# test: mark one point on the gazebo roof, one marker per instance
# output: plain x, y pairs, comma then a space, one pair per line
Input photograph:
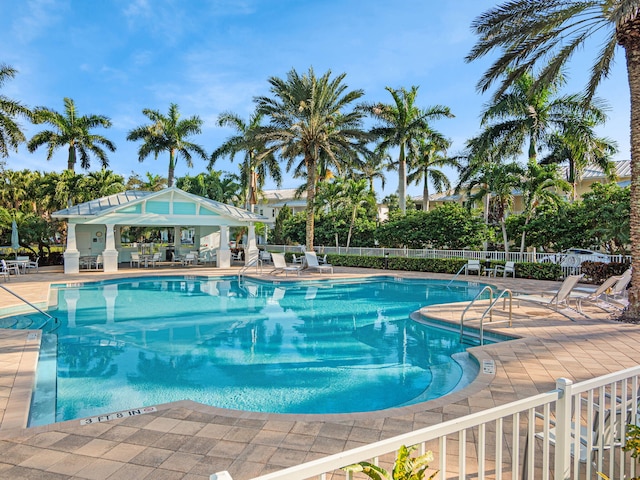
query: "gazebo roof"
170, 206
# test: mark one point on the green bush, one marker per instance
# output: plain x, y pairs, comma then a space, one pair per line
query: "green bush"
538, 271
598, 272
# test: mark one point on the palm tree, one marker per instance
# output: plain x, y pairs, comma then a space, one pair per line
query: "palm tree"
355, 193
528, 114
402, 125
309, 119
540, 184
548, 32
372, 168
10, 134
496, 182
102, 184
431, 158
153, 182
168, 134
255, 167
579, 146
74, 131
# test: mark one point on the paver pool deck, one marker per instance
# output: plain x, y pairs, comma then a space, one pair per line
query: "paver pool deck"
186, 440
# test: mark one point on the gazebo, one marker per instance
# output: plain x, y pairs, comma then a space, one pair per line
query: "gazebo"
94, 228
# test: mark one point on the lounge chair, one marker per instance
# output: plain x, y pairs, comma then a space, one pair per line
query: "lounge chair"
619, 289
155, 259
594, 296
280, 265
561, 297
312, 262
473, 266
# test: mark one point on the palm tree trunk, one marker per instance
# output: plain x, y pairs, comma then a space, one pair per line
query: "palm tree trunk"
632, 50
311, 193
505, 238
425, 194
353, 220
172, 167
402, 180
71, 161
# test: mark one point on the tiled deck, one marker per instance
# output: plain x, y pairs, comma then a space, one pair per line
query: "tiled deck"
185, 440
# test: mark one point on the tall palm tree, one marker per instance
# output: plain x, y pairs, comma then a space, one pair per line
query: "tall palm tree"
310, 119
255, 166
580, 147
168, 134
430, 159
355, 193
372, 168
72, 131
527, 33
10, 134
402, 125
527, 114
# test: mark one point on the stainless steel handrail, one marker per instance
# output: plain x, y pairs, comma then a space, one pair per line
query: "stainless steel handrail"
488, 310
486, 287
49, 317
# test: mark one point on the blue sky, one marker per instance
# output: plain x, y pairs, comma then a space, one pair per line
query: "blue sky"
117, 57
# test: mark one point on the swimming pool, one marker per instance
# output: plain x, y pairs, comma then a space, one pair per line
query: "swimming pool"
301, 347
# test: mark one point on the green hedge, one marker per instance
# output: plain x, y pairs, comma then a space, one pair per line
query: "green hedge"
537, 271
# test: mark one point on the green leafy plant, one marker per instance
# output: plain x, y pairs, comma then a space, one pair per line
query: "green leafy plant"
405, 467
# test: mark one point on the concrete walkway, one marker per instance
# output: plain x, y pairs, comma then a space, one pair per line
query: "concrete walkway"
185, 440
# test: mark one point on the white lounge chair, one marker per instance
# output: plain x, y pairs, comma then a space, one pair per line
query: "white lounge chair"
280, 264
594, 296
155, 259
561, 297
619, 289
189, 259
473, 266
312, 262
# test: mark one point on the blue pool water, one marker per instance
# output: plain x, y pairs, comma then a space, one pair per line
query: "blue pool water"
324, 347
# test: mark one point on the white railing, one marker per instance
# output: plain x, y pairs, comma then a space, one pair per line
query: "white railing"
533, 438
570, 263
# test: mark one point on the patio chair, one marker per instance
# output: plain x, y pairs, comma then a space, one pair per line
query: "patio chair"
135, 258
298, 260
606, 430
473, 266
155, 259
99, 261
34, 265
189, 259
280, 265
560, 297
10, 268
508, 268
312, 263
4, 271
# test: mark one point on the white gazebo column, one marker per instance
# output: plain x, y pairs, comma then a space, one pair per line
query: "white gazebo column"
224, 254
110, 254
251, 252
71, 254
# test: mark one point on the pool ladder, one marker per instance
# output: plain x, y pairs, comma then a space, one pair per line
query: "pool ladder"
49, 318
256, 262
489, 310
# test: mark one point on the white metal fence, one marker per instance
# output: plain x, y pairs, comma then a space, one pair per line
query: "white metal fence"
571, 432
570, 263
